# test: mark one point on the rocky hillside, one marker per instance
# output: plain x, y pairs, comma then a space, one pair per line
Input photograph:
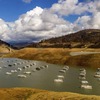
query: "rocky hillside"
89, 38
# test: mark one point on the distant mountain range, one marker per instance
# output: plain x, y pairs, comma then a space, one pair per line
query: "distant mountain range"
89, 38
6, 47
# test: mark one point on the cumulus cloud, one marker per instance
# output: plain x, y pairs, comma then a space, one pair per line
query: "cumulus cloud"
37, 24
4, 29
27, 1
40, 23
96, 21
68, 7
83, 22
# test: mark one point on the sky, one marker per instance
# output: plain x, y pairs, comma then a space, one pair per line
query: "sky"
34, 20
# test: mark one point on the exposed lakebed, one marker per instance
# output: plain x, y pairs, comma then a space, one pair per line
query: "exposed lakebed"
42, 76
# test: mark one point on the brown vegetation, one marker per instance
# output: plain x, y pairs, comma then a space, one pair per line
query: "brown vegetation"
89, 38
4, 47
59, 56
34, 94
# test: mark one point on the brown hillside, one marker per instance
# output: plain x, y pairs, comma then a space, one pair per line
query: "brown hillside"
89, 38
4, 47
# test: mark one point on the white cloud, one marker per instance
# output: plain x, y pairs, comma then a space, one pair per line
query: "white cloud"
35, 25
96, 21
27, 1
4, 29
64, 7
40, 23
89, 22
67, 7
84, 21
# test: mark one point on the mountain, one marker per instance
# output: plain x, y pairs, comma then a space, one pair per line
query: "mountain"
18, 45
89, 38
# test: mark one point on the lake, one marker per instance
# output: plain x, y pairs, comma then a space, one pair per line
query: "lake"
43, 77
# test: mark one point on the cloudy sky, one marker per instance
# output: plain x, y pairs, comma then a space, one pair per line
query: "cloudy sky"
33, 20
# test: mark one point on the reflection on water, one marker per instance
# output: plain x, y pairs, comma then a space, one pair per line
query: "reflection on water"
42, 76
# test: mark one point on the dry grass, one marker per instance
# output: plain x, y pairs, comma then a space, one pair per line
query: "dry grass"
59, 56
34, 94
49, 55
3, 49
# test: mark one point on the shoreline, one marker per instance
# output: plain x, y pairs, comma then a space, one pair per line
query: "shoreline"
59, 56
36, 94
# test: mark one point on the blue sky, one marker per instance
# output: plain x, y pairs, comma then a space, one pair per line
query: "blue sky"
10, 10
34, 20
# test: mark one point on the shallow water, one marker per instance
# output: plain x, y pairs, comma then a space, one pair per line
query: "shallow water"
44, 78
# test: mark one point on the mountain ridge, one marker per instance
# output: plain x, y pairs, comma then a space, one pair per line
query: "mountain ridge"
89, 38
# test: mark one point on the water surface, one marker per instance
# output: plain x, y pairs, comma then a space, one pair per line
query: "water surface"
44, 78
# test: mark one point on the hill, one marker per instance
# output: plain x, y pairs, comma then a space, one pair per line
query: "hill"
4, 47
89, 38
